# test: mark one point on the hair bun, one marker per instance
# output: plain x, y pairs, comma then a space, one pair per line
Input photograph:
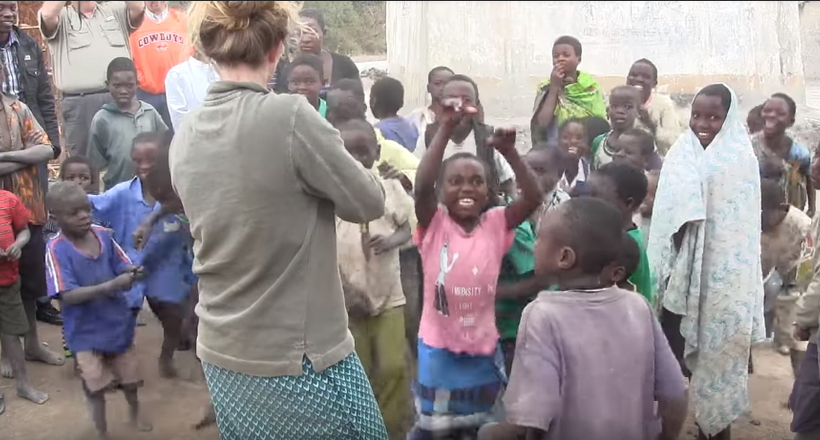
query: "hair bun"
237, 16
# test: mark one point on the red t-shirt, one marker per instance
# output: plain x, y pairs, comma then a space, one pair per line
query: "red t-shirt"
13, 218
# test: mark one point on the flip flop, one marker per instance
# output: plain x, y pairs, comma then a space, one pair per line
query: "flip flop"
2, 404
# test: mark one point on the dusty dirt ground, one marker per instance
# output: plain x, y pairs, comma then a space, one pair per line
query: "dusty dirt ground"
175, 405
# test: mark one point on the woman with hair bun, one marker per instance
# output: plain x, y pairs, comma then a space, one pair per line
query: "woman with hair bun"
263, 178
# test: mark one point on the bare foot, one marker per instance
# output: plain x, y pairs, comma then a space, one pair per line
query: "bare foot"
167, 369
5, 368
30, 393
44, 355
141, 425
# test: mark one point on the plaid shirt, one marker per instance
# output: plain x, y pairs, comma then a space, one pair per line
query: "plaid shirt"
11, 85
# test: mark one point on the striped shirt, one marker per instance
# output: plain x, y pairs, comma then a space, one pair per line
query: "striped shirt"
13, 219
11, 85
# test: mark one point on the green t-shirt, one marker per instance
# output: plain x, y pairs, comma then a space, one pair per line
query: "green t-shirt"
322, 107
642, 277
518, 265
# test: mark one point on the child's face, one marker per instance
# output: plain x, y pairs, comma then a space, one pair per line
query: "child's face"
78, 173
551, 254
755, 122
776, 116
604, 188
630, 151
123, 87
436, 84
311, 39
305, 81
573, 140
362, 146
546, 174
343, 105
565, 56
467, 94
73, 214
465, 188
707, 118
144, 156
642, 76
623, 109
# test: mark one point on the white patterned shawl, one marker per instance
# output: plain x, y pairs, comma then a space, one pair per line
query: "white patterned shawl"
714, 281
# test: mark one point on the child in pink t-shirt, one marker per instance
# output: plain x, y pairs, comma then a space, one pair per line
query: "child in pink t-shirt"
462, 243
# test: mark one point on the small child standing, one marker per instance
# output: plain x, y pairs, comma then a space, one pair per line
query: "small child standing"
624, 186
306, 78
386, 99
622, 112
167, 260
14, 234
125, 205
368, 257
548, 167
89, 273
589, 339
786, 231
638, 149
115, 126
462, 243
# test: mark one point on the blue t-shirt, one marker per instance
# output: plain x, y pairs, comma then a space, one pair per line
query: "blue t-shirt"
123, 208
104, 324
167, 259
399, 130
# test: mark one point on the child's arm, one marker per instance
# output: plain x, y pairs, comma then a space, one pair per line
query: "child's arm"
812, 197
143, 231
519, 290
670, 387
503, 140
159, 244
97, 143
85, 294
105, 206
15, 249
546, 113
430, 165
37, 148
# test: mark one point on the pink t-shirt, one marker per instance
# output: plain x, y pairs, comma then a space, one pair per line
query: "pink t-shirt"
460, 276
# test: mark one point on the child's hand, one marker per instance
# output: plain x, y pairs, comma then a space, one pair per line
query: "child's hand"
557, 77
140, 235
13, 252
453, 111
503, 140
387, 171
801, 334
380, 244
123, 282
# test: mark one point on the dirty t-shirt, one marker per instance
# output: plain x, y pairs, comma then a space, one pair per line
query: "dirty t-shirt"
589, 365
460, 277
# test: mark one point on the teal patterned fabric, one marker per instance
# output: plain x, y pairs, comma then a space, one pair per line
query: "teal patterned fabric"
336, 404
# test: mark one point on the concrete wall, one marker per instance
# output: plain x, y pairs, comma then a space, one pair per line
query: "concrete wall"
506, 46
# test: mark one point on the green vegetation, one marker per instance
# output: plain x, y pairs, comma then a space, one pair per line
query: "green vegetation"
353, 28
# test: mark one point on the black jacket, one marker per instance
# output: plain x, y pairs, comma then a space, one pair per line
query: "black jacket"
35, 86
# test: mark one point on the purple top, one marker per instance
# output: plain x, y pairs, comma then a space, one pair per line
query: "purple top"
589, 365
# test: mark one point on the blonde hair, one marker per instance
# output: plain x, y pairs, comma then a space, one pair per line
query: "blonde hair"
234, 32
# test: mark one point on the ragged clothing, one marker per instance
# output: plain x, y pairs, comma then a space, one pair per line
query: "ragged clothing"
167, 258
372, 282
808, 305
796, 169
784, 247
713, 280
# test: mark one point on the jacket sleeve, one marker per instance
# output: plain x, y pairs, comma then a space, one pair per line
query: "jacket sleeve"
48, 108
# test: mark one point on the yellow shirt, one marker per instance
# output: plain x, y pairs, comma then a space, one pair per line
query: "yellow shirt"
397, 156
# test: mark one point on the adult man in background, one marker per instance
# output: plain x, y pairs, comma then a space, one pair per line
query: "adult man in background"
83, 38
26, 78
156, 46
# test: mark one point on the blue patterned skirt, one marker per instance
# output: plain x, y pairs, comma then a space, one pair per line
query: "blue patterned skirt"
336, 404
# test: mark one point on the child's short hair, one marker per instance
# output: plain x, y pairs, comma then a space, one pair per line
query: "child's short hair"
60, 191
789, 103
120, 64
389, 94
149, 137
310, 60
646, 141
651, 65
316, 15
357, 124
625, 88
596, 126
772, 195
353, 86
571, 121
719, 91
630, 182
78, 159
630, 256
570, 41
594, 230
436, 70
